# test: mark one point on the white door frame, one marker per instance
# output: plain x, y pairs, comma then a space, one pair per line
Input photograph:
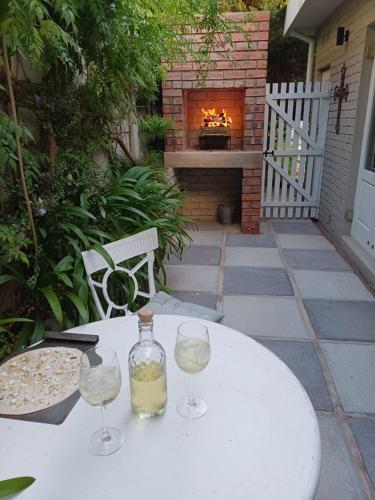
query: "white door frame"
366, 176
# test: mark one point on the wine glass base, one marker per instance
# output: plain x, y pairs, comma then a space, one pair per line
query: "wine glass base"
101, 445
188, 409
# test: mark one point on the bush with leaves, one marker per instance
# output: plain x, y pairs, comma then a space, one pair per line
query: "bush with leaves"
95, 59
124, 201
154, 129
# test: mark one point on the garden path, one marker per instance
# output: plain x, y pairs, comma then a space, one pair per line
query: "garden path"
293, 292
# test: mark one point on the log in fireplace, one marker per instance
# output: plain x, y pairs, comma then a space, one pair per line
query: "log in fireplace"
215, 131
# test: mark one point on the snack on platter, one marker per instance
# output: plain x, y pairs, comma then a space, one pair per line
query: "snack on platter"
38, 379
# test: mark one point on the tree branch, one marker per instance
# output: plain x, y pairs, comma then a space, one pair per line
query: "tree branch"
18, 145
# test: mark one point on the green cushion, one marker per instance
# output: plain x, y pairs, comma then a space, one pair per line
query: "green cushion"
162, 303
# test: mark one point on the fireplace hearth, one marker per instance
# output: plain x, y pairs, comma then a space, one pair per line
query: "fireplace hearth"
218, 128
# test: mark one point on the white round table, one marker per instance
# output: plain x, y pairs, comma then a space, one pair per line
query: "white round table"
258, 440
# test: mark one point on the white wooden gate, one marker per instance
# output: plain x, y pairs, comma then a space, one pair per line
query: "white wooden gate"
295, 127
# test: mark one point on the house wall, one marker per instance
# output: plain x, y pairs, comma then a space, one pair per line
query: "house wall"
343, 150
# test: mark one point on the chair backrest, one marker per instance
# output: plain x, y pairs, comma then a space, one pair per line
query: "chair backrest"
121, 250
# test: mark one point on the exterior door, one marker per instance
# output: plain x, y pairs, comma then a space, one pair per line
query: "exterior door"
363, 227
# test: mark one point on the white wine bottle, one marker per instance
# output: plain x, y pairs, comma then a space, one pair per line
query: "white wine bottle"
147, 370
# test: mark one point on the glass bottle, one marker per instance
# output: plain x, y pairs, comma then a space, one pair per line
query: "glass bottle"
147, 370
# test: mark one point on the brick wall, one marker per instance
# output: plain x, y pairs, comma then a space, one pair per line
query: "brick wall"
251, 199
206, 188
342, 150
246, 69
237, 84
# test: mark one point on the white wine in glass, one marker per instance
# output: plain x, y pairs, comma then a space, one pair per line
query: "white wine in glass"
192, 354
99, 385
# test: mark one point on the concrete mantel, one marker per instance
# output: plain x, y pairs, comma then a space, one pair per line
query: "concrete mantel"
213, 159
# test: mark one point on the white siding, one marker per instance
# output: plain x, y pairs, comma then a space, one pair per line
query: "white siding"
341, 161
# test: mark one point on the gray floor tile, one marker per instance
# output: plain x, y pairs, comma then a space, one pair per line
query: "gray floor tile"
200, 298
305, 242
353, 370
208, 238
364, 432
302, 360
331, 285
256, 281
338, 477
264, 316
198, 255
264, 228
252, 257
192, 278
295, 227
333, 320
316, 259
251, 240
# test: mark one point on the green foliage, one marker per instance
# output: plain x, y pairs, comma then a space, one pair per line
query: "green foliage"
94, 60
8, 337
13, 244
155, 127
121, 202
15, 485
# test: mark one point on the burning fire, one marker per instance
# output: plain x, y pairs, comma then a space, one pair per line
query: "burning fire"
213, 119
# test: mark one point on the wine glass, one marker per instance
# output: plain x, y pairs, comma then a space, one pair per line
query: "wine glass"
192, 354
99, 385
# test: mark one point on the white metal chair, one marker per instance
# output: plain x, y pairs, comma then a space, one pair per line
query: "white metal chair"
143, 243
121, 250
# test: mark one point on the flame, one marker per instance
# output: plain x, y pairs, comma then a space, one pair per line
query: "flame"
213, 119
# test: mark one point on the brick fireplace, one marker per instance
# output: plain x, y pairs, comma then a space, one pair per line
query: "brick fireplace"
235, 86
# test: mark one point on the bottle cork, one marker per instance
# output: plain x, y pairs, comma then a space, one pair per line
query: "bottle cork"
145, 315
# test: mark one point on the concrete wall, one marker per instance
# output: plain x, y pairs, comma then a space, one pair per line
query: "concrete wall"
343, 149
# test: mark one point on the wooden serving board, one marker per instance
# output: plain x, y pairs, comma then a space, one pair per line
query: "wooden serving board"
57, 413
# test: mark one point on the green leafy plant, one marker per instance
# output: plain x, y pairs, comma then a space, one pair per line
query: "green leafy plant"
155, 127
15, 485
127, 200
94, 62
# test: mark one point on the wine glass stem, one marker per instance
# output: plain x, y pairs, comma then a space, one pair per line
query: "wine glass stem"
192, 401
105, 434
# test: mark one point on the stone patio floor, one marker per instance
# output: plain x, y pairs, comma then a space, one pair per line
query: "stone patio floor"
291, 290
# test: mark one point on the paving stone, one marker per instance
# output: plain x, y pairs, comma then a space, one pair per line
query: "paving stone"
316, 259
200, 298
333, 320
252, 257
295, 227
331, 285
193, 278
364, 432
207, 238
200, 255
256, 281
300, 357
353, 370
305, 242
264, 228
251, 240
338, 477
204, 226
264, 316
